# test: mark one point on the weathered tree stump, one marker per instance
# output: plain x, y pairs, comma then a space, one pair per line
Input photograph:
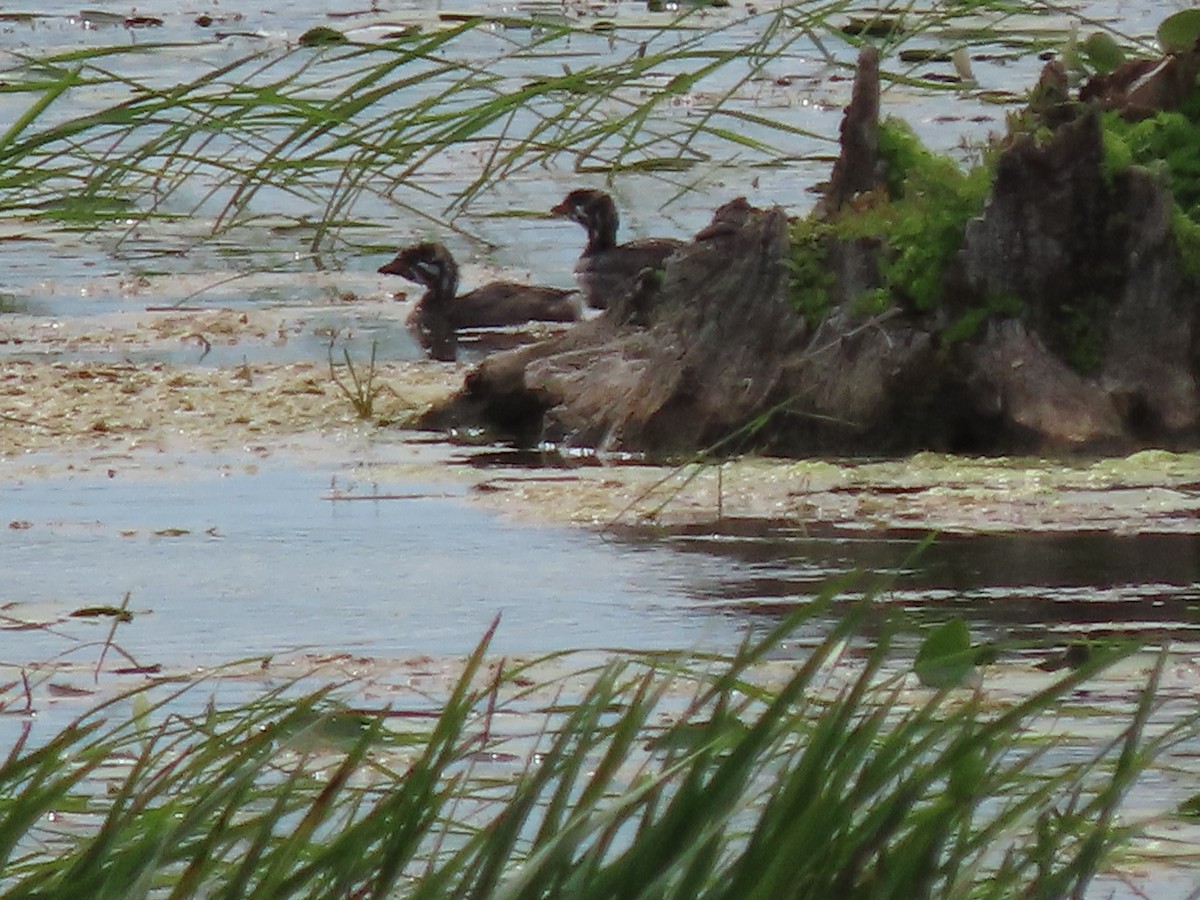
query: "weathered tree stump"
711, 352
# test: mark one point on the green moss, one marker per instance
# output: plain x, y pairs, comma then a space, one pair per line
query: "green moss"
1168, 141
1117, 155
811, 279
910, 167
967, 326
1187, 239
1167, 144
871, 303
919, 221
934, 200
929, 202
920, 215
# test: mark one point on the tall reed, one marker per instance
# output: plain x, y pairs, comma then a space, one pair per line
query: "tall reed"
669, 775
324, 136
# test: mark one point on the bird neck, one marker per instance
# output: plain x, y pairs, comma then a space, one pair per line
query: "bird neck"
602, 231
441, 285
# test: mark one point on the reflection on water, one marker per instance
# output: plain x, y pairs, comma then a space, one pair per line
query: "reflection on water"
1010, 586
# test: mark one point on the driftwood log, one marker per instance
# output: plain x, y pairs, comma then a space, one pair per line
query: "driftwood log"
710, 353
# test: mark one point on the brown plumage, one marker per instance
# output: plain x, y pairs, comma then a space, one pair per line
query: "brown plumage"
607, 270
439, 313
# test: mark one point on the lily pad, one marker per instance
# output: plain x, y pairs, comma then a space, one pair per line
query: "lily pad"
321, 36
1102, 53
1178, 33
945, 658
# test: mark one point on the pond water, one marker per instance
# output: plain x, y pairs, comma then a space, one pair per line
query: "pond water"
228, 563
224, 559
1033, 588
228, 557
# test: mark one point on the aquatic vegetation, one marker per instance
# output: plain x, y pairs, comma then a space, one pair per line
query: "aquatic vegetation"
322, 129
914, 224
676, 775
1187, 238
1166, 143
323, 134
930, 200
917, 224
827, 782
361, 390
811, 275
1178, 32
969, 323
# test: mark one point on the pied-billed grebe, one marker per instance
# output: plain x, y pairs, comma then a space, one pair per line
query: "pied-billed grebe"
439, 314
607, 270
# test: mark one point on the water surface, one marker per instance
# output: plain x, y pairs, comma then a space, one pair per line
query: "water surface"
224, 559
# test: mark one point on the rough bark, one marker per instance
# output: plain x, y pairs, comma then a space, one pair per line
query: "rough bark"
857, 169
1093, 260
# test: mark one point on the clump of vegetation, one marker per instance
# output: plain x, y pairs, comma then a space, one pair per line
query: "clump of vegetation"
969, 323
918, 221
1186, 231
807, 262
1166, 143
662, 776
361, 390
931, 201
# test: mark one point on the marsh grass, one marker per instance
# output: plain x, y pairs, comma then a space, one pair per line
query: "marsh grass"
325, 138
318, 129
667, 775
360, 389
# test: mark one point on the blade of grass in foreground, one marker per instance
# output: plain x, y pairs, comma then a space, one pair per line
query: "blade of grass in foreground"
320, 131
660, 776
